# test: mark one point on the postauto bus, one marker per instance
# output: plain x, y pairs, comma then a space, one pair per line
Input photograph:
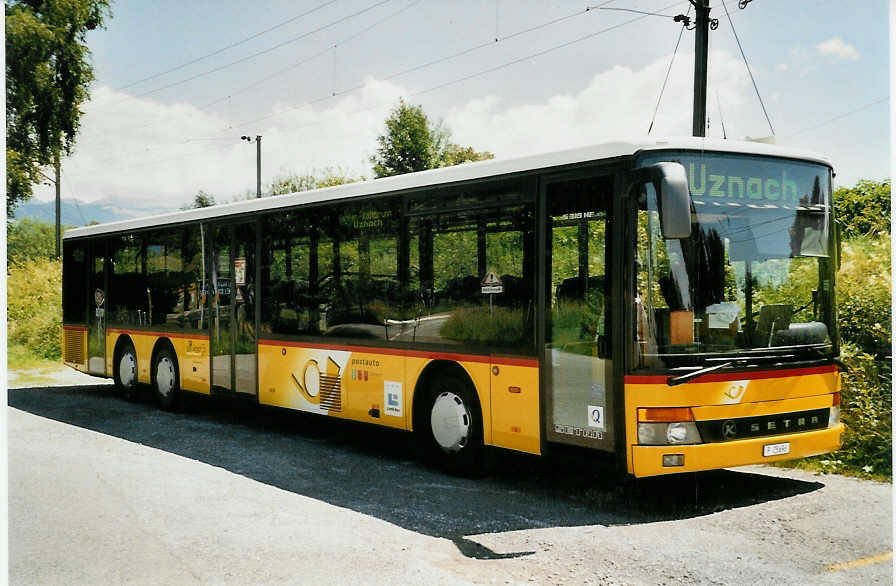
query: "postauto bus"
670, 302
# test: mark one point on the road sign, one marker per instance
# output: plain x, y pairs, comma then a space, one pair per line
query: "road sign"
491, 284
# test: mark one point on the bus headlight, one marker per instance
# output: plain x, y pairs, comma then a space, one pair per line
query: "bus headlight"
663, 434
834, 416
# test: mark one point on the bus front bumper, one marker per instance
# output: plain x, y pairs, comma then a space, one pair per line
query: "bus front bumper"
648, 460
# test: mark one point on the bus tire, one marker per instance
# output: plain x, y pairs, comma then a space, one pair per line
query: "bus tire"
166, 379
452, 425
125, 371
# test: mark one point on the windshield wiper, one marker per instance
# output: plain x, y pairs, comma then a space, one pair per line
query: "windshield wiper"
745, 361
677, 380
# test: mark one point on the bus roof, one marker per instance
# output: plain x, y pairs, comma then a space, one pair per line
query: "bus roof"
448, 175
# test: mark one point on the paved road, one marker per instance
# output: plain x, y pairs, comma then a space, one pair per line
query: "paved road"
106, 491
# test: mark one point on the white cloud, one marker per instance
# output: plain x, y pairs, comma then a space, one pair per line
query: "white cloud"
135, 150
782, 67
838, 48
616, 103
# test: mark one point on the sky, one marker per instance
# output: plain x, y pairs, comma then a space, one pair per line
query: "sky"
178, 83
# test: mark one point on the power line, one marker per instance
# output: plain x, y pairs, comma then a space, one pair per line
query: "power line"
538, 53
230, 46
436, 61
259, 53
668, 71
309, 58
841, 116
255, 84
465, 51
642, 12
755, 87
71, 190
721, 117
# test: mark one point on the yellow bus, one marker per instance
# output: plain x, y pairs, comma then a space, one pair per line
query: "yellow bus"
670, 302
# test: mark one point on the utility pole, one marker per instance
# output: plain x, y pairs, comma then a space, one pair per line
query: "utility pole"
58, 211
257, 162
701, 58
258, 166
57, 182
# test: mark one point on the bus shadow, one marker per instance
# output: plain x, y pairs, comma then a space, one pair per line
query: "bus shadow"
374, 471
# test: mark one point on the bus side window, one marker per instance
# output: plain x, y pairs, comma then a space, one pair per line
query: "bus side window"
191, 285
74, 279
579, 284
127, 290
163, 271
366, 296
458, 242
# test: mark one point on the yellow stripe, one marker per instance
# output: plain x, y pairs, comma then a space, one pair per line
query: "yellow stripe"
874, 559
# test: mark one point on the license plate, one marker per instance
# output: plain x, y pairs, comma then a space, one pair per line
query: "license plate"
776, 449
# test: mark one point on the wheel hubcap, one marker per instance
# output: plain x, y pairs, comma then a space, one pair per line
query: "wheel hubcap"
127, 369
450, 422
165, 376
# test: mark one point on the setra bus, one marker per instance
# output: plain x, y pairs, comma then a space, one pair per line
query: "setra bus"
670, 302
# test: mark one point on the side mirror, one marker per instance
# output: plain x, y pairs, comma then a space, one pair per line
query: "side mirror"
839, 247
603, 347
674, 200
674, 197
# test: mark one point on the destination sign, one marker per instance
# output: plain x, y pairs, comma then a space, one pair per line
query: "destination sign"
703, 180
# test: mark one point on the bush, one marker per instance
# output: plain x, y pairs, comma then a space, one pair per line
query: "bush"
34, 297
863, 301
28, 239
863, 210
863, 294
865, 404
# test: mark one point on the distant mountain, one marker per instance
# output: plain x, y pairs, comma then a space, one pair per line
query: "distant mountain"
80, 213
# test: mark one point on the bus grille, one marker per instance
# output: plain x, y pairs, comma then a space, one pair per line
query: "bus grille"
330, 393
74, 346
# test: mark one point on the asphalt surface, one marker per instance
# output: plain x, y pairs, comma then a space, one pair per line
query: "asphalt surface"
562, 519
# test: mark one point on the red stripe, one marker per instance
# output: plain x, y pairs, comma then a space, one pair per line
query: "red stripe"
408, 353
634, 379
75, 328
159, 334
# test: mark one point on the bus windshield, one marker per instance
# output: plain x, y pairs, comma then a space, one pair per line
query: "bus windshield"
756, 275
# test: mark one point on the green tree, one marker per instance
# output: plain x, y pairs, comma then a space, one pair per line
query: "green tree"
411, 142
48, 73
29, 239
455, 154
863, 210
201, 200
327, 177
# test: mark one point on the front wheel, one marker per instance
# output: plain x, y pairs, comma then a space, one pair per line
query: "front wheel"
167, 380
454, 430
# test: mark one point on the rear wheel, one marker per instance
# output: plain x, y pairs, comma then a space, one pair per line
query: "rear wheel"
166, 379
453, 425
125, 371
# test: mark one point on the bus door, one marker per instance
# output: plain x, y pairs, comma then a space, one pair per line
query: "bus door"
232, 307
577, 369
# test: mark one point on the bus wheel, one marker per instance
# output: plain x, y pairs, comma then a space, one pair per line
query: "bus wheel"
125, 374
166, 379
455, 426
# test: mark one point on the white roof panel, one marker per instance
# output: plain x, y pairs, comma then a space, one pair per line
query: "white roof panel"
447, 175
